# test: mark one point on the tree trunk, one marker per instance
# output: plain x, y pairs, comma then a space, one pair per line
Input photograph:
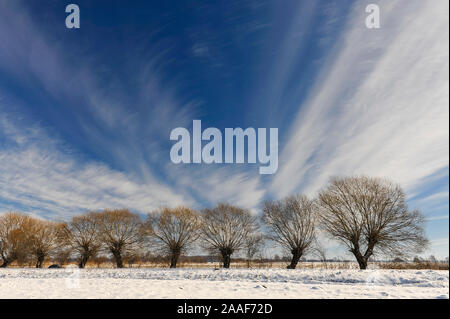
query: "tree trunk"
367, 254
118, 258
40, 261
174, 258
226, 260
4, 264
226, 257
362, 260
362, 263
296, 255
83, 261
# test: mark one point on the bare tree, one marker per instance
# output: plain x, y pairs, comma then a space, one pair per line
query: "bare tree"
13, 237
100, 259
62, 255
432, 259
43, 239
82, 235
226, 229
174, 229
253, 246
121, 232
366, 214
321, 253
291, 224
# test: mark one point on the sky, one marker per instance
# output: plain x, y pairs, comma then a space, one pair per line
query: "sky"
86, 113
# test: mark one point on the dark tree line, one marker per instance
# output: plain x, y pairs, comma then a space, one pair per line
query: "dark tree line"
367, 215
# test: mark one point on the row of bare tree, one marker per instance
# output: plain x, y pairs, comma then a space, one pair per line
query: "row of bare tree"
22, 235
367, 215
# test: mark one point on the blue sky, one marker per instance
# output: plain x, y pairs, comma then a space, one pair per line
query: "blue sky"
86, 113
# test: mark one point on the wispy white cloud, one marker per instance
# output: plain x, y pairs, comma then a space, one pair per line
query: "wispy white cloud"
380, 104
443, 217
439, 248
225, 184
41, 175
434, 197
440, 242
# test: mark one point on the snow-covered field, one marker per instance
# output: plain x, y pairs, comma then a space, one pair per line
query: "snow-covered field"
234, 283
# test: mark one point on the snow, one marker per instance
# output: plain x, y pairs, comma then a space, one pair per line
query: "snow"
222, 284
